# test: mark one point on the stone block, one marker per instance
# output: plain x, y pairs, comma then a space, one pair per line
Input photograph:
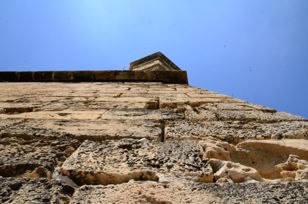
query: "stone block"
154, 62
120, 161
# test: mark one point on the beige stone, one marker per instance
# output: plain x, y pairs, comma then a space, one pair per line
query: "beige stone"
120, 161
33, 158
145, 192
215, 149
235, 131
236, 172
173, 141
264, 155
293, 169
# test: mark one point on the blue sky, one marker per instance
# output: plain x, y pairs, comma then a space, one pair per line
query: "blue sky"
256, 50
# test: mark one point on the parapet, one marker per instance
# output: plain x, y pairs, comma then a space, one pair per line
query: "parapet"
153, 68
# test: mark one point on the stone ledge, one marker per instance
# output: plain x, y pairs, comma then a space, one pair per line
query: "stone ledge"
172, 77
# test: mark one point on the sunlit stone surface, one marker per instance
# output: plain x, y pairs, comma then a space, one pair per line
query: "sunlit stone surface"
146, 142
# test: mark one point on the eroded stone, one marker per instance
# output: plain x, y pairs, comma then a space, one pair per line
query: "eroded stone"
192, 136
293, 169
264, 155
33, 158
145, 192
118, 162
85, 129
235, 131
236, 172
16, 190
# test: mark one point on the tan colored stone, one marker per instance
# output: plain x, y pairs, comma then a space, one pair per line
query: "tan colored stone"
235, 131
236, 172
86, 129
32, 158
38, 172
214, 149
171, 138
264, 155
145, 192
293, 169
119, 162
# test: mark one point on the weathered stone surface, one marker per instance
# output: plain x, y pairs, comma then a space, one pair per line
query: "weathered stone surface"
16, 190
151, 192
145, 192
293, 169
33, 158
120, 161
263, 155
235, 131
136, 110
85, 129
233, 172
163, 140
215, 149
291, 192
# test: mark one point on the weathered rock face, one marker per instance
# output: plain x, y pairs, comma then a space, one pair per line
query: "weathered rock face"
146, 143
120, 161
145, 192
17, 190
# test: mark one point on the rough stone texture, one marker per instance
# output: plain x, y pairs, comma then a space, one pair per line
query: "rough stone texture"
151, 192
16, 190
28, 157
148, 143
120, 161
236, 131
293, 169
146, 192
291, 192
226, 171
264, 155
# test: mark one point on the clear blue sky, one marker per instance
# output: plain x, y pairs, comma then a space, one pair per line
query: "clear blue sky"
256, 50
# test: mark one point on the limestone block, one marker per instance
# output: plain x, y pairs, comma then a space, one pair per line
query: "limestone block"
199, 114
118, 162
95, 115
235, 131
145, 192
255, 115
179, 192
85, 129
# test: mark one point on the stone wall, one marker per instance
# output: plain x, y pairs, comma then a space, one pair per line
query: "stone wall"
124, 142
